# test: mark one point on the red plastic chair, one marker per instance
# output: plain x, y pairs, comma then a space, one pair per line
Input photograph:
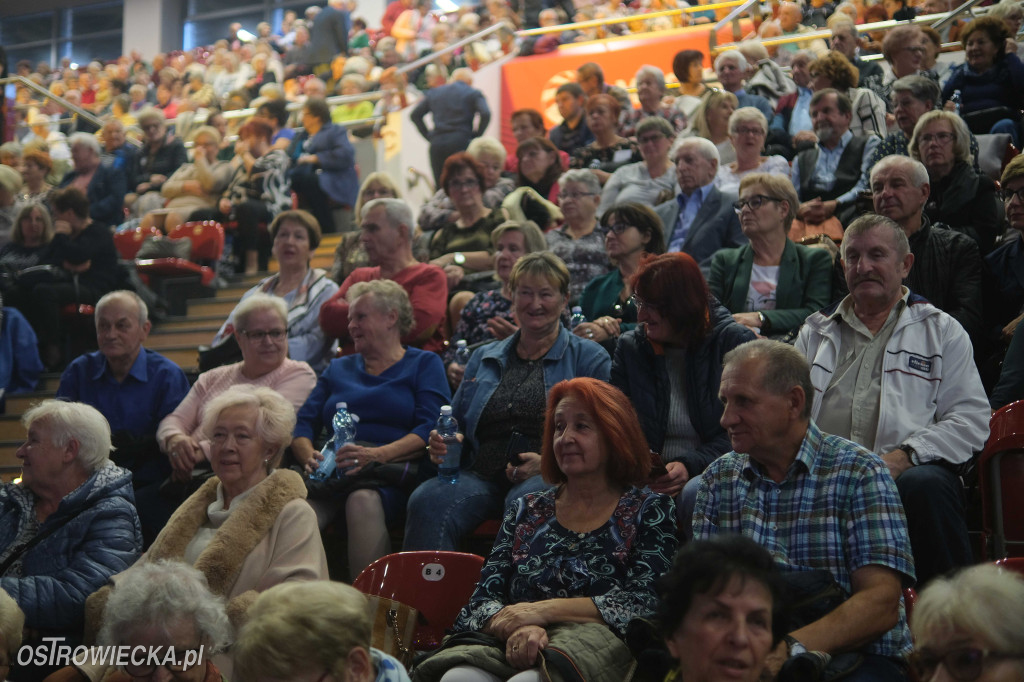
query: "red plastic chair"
207, 239
437, 584
1001, 473
129, 242
1012, 564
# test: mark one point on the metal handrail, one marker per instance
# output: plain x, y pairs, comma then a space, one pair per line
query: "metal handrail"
593, 23
35, 87
415, 64
733, 16
953, 14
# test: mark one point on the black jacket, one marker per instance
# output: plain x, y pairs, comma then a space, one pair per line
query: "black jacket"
965, 201
640, 371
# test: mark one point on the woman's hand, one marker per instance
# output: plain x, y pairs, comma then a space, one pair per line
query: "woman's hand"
455, 273
313, 463
455, 373
184, 453
671, 483
351, 458
437, 448
501, 328
1010, 328
590, 330
224, 206
751, 321
504, 623
524, 646
530, 467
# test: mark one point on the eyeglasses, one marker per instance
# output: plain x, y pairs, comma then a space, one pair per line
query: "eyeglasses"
618, 228
258, 335
940, 138
755, 202
650, 139
919, 49
748, 131
1007, 195
463, 184
640, 304
562, 196
964, 664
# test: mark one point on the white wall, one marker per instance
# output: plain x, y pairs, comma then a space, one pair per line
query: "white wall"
151, 27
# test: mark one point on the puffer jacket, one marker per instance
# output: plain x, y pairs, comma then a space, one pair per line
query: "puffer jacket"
640, 371
78, 558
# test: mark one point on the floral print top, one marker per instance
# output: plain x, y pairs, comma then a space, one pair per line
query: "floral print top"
535, 558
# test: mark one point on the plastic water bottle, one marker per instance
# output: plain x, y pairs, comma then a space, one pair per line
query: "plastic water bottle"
462, 352
448, 428
344, 424
957, 99
577, 317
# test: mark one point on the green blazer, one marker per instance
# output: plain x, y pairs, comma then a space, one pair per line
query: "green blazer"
805, 283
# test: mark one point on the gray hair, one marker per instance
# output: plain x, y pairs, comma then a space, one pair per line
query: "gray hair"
705, 146
84, 140
654, 72
921, 88
747, 115
398, 213
296, 627
753, 50
803, 55
916, 171
75, 421
583, 177
388, 296
150, 114
868, 222
12, 623
209, 131
275, 416
983, 601
162, 594
1006, 8
784, 368
656, 123
733, 56
123, 295
961, 135
255, 303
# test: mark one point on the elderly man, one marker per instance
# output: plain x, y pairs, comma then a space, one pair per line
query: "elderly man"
105, 186
117, 153
844, 41
896, 374
829, 176
700, 220
453, 108
790, 16
947, 264
793, 112
818, 503
135, 388
70, 524
731, 68
386, 235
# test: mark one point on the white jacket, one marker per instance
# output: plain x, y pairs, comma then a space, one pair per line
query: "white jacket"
932, 398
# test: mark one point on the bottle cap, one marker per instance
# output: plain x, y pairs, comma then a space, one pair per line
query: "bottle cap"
446, 410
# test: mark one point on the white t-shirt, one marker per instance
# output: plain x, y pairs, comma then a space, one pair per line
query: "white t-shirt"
761, 293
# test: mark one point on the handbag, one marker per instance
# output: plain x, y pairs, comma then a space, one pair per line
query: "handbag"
393, 625
163, 247
980, 122
42, 274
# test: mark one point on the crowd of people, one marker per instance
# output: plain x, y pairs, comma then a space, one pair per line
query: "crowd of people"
786, 286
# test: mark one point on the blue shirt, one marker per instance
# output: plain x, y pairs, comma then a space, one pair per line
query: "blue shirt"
153, 388
688, 207
837, 509
800, 117
828, 162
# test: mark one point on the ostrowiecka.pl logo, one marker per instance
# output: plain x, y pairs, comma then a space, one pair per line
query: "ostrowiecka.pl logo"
53, 653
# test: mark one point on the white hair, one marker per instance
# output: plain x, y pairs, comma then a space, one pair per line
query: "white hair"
706, 148
125, 296
732, 55
74, 421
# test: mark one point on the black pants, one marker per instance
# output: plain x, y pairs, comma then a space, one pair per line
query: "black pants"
252, 218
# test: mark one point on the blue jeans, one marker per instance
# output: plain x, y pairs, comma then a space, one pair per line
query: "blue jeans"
441, 514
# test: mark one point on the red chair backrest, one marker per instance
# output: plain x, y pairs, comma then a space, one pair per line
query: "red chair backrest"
129, 242
437, 584
1003, 456
207, 239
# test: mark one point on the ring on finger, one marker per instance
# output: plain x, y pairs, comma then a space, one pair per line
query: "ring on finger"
515, 647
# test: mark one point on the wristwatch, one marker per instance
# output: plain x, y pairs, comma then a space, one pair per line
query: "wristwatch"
763, 322
911, 453
459, 258
794, 647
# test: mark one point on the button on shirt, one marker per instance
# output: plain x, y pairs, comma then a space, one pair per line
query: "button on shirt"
689, 205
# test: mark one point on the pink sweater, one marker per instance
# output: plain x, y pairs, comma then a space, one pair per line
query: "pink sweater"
294, 380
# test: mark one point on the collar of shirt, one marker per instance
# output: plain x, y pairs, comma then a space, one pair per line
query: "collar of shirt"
802, 463
138, 370
701, 193
844, 140
844, 311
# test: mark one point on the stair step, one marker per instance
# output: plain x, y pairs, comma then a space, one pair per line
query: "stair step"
212, 306
186, 357
174, 324
194, 336
11, 429
21, 403
10, 465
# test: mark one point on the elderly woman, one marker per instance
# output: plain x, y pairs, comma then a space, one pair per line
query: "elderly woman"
305, 630
195, 185
396, 393
834, 70
631, 232
721, 609
463, 245
912, 98
248, 527
350, 253
325, 177
488, 315
572, 565
12, 622
903, 49
579, 242
35, 166
162, 154
500, 400
609, 150
711, 121
105, 186
1006, 263
748, 130
647, 181
971, 626
961, 198
671, 364
990, 82
82, 504
770, 284
490, 154
650, 90
295, 234
261, 330
688, 67
30, 239
540, 166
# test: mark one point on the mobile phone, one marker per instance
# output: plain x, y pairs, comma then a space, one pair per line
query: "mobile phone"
658, 468
517, 445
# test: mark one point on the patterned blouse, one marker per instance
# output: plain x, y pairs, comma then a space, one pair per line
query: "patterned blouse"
604, 158
535, 558
472, 324
585, 257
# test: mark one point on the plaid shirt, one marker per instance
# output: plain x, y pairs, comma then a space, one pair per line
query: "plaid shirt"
837, 509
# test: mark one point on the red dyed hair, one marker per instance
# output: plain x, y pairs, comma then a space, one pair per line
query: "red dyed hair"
455, 164
674, 284
629, 457
256, 127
